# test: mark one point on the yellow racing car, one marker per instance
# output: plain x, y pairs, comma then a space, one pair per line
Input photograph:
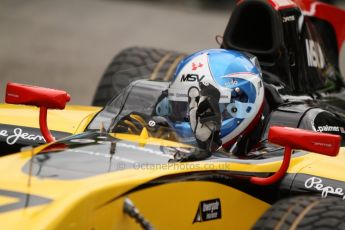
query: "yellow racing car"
223, 146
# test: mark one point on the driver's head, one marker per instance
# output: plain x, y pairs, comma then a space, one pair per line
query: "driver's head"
215, 96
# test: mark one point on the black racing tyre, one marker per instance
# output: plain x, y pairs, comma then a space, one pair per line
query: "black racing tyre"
132, 64
304, 213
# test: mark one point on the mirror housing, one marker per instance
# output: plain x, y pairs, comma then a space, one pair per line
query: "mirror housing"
36, 96
294, 138
44, 98
322, 143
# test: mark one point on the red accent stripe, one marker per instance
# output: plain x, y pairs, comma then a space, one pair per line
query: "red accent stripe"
329, 13
250, 127
282, 4
239, 73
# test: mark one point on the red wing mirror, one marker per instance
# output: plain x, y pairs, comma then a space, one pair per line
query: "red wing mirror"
323, 143
44, 98
293, 138
37, 96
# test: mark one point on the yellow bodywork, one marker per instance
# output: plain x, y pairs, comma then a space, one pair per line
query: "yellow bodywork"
73, 119
96, 202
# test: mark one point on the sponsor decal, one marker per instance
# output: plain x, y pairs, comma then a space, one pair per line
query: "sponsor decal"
314, 54
317, 184
176, 95
151, 123
196, 66
208, 210
289, 18
328, 145
259, 87
192, 77
328, 128
12, 136
83, 141
13, 95
231, 83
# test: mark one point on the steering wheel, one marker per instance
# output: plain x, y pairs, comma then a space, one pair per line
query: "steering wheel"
156, 126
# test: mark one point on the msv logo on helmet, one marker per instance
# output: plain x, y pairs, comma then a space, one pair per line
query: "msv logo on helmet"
192, 77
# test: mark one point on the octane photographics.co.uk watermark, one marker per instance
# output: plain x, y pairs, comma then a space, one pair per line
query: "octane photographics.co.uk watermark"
182, 166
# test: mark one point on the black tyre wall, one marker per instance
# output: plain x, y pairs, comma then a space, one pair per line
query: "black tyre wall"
304, 213
155, 64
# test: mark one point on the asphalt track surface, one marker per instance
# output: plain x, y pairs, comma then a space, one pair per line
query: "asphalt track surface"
67, 44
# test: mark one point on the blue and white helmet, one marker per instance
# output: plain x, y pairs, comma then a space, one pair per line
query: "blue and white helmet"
233, 81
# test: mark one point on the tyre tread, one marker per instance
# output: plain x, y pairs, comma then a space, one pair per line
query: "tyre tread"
327, 213
112, 82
